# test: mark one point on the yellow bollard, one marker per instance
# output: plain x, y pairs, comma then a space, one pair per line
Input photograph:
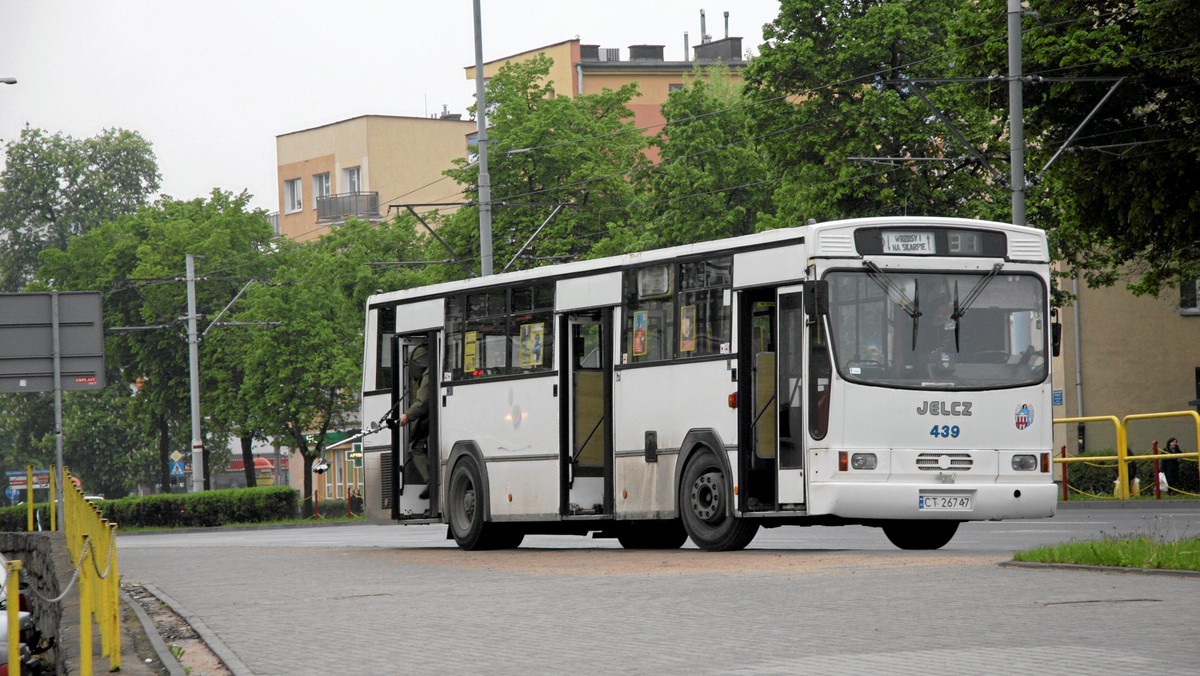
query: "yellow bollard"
13, 599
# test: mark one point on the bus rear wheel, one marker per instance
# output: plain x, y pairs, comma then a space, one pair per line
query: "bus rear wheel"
703, 505
920, 534
465, 500
653, 535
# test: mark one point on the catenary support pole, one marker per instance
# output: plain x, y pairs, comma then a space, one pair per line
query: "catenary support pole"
198, 478
1016, 104
485, 179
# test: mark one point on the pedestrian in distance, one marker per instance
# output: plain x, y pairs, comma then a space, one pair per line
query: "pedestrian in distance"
1170, 468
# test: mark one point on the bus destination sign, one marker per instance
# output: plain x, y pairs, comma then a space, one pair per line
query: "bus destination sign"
908, 242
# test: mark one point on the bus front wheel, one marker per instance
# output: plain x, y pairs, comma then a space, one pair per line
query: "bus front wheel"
465, 500
703, 505
920, 534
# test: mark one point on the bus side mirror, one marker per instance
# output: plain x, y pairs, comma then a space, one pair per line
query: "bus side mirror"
1056, 338
816, 298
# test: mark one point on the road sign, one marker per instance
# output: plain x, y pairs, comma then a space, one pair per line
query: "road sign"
11, 493
177, 468
176, 456
27, 341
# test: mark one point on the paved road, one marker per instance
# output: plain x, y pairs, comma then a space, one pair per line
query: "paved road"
403, 600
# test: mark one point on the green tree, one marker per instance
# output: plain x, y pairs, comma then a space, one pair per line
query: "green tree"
712, 180
835, 84
301, 381
54, 187
138, 262
547, 149
1129, 177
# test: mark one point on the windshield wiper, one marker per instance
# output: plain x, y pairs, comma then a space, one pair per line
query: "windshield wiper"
961, 309
913, 308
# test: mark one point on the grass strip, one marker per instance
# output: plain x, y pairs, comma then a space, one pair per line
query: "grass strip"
1121, 552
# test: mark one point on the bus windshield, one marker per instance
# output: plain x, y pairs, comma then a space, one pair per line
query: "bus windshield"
938, 330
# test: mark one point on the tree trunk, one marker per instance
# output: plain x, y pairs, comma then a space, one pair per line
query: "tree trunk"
164, 452
248, 460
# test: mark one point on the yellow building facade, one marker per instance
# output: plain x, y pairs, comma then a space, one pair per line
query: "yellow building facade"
355, 168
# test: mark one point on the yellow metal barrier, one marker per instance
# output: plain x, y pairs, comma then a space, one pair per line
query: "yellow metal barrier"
92, 542
1122, 469
13, 601
1170, 414
1122, 457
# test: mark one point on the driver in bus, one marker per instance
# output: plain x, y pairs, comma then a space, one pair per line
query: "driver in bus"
417, 413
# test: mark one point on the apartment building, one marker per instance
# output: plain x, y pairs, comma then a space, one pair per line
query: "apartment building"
581, 69
355, 168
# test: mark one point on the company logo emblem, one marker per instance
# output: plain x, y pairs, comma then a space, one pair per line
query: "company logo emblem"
1024, 416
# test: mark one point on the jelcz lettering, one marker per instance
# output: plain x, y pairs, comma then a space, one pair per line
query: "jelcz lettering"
950, 408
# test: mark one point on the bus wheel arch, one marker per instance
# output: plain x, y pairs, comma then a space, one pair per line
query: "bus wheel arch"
704, 497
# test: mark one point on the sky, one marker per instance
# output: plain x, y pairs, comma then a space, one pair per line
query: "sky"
211, 84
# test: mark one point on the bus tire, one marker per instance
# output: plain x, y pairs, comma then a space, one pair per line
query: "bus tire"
920, 534
653, 535
704, 495
465, 499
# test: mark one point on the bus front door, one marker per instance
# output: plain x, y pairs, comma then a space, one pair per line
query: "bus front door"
789, 363
586, 468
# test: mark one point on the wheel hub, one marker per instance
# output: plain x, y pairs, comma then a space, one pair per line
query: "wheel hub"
706, 497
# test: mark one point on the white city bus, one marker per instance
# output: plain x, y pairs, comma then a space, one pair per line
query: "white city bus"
889, 372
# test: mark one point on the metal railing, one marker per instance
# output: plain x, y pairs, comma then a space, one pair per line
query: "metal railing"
1123, 455
345, 205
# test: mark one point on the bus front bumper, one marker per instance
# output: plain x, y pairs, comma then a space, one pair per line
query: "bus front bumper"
957, 502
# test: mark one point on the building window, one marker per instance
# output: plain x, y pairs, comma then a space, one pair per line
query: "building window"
1189, 297
320, 187
293, 196
674, 87
352, 179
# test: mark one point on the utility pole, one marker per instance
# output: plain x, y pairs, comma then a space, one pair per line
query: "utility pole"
485, 179
1016, 112
198, 478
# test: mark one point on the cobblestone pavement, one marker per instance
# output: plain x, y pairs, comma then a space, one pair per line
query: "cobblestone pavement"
392, 600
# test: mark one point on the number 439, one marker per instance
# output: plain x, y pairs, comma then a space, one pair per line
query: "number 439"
944, 431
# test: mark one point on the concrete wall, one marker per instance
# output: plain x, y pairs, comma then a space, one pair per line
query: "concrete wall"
47, 570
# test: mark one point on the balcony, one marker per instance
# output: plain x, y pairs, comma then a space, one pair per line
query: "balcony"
347, 205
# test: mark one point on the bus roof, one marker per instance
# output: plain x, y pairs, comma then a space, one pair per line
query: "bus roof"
731, 244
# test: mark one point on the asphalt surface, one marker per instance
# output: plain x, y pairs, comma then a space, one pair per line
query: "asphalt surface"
403, 600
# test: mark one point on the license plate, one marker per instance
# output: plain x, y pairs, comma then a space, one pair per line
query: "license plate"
961, 503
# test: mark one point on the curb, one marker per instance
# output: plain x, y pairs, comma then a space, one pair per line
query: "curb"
1101, 569
1129, 504
210, 638
172, 665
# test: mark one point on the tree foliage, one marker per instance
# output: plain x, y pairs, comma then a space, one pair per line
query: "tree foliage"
712, 180
138, 262
547, 149
301, 380
54, 187
838, 84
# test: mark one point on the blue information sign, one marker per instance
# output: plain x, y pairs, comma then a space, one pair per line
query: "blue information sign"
1057, 396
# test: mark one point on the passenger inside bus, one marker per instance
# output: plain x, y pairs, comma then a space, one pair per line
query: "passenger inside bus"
417, 413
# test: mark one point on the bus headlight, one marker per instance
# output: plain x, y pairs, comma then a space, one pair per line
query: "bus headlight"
864, 461
1025, 463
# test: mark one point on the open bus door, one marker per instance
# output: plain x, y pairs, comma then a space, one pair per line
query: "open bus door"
408, 484
771, 451
586, 467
